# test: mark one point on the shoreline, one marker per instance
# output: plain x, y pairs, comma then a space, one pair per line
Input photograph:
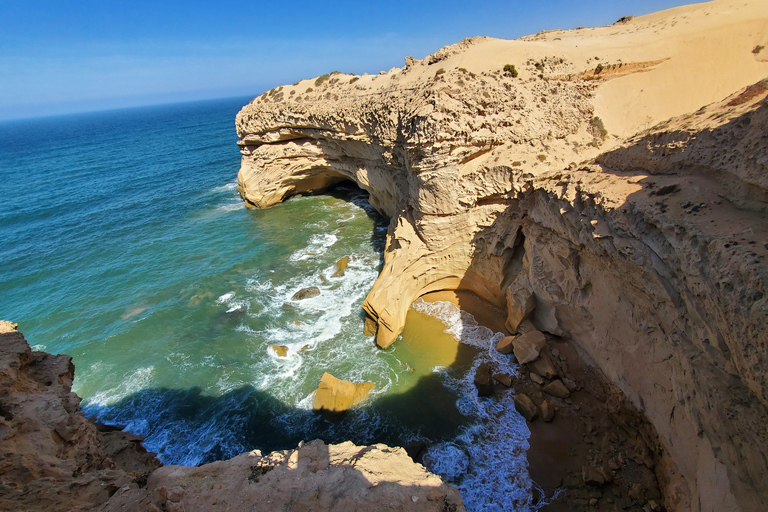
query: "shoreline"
593, 428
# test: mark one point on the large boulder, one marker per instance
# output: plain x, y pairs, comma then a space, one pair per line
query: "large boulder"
337, 395
526, 407
528, 346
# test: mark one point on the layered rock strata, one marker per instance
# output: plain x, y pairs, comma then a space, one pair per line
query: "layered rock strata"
52, 458
648, 251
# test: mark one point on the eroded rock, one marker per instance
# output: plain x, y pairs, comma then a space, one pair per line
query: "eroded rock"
527, 346
306, 293
336, 395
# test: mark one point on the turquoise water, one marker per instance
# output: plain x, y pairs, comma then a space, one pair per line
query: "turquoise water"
125, 245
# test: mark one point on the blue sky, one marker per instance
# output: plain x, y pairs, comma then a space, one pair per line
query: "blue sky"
59, 56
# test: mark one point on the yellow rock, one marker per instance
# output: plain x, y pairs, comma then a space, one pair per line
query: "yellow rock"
336, 395
280, 350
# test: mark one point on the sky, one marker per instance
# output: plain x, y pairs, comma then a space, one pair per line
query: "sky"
63, 56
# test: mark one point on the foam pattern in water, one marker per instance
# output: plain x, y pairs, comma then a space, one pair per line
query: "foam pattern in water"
487, 461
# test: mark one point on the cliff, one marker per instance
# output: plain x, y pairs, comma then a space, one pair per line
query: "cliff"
55, 459
606, 186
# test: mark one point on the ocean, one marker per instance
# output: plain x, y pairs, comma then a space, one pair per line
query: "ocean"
124, 244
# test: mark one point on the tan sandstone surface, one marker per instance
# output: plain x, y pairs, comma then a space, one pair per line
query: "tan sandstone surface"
52, 458
614, 193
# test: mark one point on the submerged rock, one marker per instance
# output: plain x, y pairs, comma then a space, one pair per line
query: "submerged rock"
337, 395
306, 293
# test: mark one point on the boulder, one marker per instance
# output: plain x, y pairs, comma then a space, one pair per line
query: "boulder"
592, 476
527, 346
306, 293
341, 266
556, 388
337, 395
536, 378
543, 366
547, 410
505, 345
483, 381
526, 407
503, 378
280, 350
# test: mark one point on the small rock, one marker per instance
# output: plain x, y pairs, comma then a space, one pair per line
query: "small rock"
593, 502
527, 346
526, 407
504, 379
547, 410
543, 366
306, 293
592, 476
535, 378
341, 266
569, 384
483, 381
555, 352
556, 388
505, 345
652, 505
280, 350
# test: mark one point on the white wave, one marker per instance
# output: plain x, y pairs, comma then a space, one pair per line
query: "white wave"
230, 207
317, 245
132, 383
228, 187
225, 298
38, 348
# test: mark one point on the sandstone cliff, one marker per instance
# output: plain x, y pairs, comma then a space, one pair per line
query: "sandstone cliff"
604, 181
54, 459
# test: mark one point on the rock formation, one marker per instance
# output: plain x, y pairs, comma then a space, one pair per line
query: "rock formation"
336, 395
52, 458
607, 194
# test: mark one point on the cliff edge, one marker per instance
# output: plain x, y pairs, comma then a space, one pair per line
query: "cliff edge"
606, 186
55, 459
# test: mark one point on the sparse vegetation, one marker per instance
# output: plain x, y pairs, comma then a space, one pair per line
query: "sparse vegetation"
599, 69
322, 78
309, 89
757, 49
509, 69
597, 128
354, 79
541, 157
440, 71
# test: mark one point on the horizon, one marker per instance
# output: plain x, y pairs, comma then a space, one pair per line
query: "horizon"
92, 57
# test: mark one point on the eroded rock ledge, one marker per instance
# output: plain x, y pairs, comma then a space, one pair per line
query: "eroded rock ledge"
646, 251
55, 459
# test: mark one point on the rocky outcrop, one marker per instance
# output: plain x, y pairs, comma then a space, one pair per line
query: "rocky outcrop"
336, 395
647, 251
52, 458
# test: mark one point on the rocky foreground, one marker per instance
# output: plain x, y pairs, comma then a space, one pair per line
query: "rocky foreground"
52, 458
608, 187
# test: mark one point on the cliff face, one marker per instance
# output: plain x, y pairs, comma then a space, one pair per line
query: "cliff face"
54, 459
649, 253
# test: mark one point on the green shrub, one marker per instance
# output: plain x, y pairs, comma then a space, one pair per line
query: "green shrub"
319, 80
509, 69
598, 69
757, 49
309, 89
354, 79
440, 71
597, 128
